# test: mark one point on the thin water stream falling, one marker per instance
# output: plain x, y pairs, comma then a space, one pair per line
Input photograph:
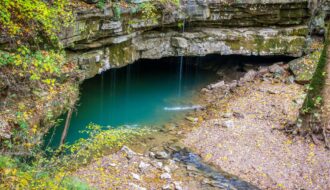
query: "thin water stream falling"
181, 62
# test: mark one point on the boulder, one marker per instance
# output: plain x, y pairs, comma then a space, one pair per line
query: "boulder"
249, 76
304, 68
276, 69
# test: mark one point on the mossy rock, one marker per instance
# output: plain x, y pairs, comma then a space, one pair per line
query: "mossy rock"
304, 67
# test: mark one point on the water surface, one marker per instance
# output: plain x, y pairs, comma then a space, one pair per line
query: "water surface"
146, 93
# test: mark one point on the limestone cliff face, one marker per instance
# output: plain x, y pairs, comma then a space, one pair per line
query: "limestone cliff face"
114, 36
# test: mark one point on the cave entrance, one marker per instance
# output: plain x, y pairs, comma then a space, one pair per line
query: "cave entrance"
151, 92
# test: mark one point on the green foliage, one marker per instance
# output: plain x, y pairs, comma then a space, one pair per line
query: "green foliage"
313, 99
29, 19
149, 11
100, 142
101, 4
52, 169
38, 65
17, 174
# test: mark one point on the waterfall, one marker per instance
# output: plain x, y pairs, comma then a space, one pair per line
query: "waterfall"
102, 97
128, 86
180, 75
181, 63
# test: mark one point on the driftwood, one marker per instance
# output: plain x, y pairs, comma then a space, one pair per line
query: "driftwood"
66, 127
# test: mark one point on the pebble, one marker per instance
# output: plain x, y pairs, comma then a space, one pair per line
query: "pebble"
161, 155
216, 85
143, 166
167, 169
167, 187
177, 185
165, 176
136, 187
157, 164
192, 119
136, 176
191, 168
271, 91
152, 155
238, 115
290, 80
227, 115
228, 124
129, 153
205, 90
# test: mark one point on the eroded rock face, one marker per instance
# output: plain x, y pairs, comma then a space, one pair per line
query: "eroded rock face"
102, 39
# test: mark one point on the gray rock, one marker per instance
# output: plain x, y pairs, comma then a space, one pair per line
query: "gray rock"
276, 69
136, 187
112, 25
143, 166
177, 185
263, 70
272, 91
158, 165
232, 85
136, 176
228, 124
129, 153
179, 42
192, 119
172, 165
165, 176
216, 85
162, 155
238, 115
227, 115
205, 90
167, 187
304, 68
152, 155
290, 80
167, 169
249, 76
191, 168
